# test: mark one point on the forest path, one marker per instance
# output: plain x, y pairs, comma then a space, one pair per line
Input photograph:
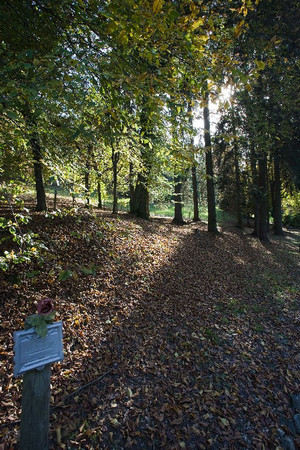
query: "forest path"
207, 361
189, 340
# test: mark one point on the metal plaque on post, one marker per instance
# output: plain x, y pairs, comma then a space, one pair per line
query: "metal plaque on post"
34, 352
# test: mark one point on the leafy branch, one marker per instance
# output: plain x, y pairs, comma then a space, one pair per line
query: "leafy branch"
28, 243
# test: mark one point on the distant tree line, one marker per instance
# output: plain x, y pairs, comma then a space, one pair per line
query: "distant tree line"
102, 96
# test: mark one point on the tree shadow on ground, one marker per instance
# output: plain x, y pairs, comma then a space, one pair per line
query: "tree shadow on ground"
205, 359
195, 351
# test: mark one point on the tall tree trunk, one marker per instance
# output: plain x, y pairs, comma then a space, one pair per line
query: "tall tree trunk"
277, 198
115, 159
238, 206
211, 202
194, 169
99, 192
178, 201
87, 174
195, 194
87, 184
131, 188
263, 207
37, 159
255, 189
38, 174
141, 198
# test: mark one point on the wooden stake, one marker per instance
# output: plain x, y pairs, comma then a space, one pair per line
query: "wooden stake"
35, 409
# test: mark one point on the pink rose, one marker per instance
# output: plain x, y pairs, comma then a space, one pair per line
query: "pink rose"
45, 307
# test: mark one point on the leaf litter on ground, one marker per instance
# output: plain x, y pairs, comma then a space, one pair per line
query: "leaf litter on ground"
172, 338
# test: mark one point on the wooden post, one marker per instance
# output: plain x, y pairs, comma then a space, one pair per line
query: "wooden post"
36, 347
35, 409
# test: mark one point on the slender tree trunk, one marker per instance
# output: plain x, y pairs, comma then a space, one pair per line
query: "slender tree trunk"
238, 193
268, 219
178, 201
272, 193
211, 202
239, 223
115, 159
277, 198
263, 207
195, 194
37, 159
87, 184
255, 189
72, 191
88, 173
99, 192
38, 174
131, 188
194, 169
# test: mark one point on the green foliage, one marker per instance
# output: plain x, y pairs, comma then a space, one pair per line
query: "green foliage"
64, 275
27, 244
89, 270
291, 205
33, 274
292, 220
39, 323
92, 85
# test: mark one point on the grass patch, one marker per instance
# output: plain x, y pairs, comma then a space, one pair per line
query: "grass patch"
188, 212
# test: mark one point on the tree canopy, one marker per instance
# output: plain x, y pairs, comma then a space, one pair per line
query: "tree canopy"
97, 93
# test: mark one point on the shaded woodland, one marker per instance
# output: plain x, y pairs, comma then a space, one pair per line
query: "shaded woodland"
178, 332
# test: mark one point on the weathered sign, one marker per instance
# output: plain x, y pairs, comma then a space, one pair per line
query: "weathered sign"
34, 352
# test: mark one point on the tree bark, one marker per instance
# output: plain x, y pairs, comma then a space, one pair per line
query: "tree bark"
277, 198
178, 219
211, 202
194, 169
131, 188
195, 194
99, 192
255, 191
55, 198
87, 184
115, 159
38, 174
263, 206
37, 159
87, 173
141, 198
238, 206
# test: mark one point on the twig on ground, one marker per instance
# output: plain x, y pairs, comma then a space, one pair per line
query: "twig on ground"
84, 386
